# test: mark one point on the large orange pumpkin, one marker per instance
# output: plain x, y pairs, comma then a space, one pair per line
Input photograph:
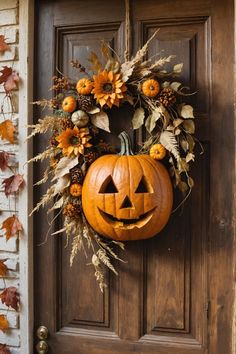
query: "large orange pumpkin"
127, 197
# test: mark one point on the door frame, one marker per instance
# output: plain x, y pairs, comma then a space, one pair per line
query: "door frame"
26, 65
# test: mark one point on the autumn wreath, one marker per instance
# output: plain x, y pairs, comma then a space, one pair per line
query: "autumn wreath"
81, 109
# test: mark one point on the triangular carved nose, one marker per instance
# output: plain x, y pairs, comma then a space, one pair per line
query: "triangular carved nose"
126, 203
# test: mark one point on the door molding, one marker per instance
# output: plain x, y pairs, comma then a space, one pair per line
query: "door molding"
26, 48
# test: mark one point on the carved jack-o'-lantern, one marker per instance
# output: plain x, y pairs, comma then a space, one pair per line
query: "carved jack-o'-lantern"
126, 196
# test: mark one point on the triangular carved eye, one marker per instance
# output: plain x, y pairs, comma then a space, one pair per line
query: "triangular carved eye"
144, 186
108, 186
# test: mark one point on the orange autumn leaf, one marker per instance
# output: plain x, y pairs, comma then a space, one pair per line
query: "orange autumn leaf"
4, 349
7, 131
4, 324
3, 45
3, 268
12, 225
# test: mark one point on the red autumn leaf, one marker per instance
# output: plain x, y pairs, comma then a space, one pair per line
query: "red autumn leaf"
3, 45
13, 184
4, 158
4, 349
10, 297
3, 268
4, 325
7, 130
12, 225
9, 78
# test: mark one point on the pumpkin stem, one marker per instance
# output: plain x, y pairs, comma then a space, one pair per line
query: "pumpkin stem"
125, 143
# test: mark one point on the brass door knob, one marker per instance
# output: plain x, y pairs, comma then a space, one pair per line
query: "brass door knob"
42, 347
42, 333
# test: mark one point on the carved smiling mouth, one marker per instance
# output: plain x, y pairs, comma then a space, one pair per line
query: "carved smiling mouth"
127, 224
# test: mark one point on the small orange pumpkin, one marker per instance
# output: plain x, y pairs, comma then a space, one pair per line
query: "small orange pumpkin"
126, 196
151, 88
69, 104
75, 189
84, 86
157, 152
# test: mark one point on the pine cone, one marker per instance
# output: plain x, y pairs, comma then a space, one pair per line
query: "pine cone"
85, 102
76, 175
72, 210
91, 156
52, 140
167, 97
66, 123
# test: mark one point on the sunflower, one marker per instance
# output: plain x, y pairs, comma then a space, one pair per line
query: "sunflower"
73, 141
108, 88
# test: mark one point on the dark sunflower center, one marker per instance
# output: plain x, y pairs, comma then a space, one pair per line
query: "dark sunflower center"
74, 140
107, 87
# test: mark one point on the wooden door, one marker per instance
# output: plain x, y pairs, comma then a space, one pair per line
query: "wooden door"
175, 293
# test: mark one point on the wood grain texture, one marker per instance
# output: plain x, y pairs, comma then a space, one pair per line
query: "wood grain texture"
160, 301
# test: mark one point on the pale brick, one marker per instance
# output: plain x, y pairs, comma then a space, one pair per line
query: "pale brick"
10, 33
7, 105
7, 282
8, 17
8, 4
9, 55
10, 245
11, 337
15, 350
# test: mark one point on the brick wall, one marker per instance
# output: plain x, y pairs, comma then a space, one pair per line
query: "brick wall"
9, 14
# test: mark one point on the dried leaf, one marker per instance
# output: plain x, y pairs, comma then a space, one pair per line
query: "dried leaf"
12, 226
94, 110
3, 45
64, 166
62, 183
191, 142
96, 65
112, 65
175, 85
178, 68
10, 297
4, 349
9, 79
183, 187
4, 159
138, 118
153, 118
184, 144
189, 126
168, 140
128, 66
13, 184
161, 62
7, 131
190, 182
3, 268
101, 121
177, 122
187, 111
4, 324
190, 157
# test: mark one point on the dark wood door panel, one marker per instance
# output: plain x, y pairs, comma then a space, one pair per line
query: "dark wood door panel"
159, 301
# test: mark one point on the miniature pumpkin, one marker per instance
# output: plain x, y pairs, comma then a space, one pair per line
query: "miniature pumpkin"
157, 152
75, 189
84, 86
151, 88
127, 197
80, 118
69, 104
